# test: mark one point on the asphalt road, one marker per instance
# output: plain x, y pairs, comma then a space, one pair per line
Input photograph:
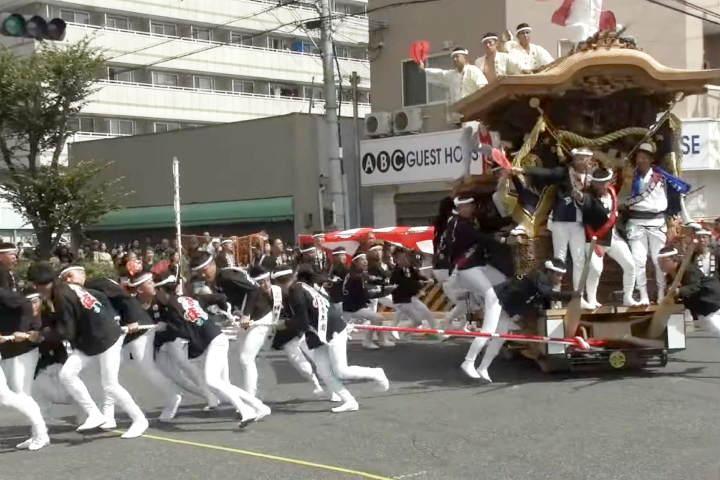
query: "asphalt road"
431, 424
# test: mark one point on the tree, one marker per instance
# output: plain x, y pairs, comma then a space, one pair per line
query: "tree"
39, 96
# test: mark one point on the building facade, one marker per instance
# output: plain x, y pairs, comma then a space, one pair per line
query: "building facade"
674, 38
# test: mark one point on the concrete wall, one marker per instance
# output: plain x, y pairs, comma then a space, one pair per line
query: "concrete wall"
271, 157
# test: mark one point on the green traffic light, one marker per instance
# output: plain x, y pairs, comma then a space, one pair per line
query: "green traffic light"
14, 26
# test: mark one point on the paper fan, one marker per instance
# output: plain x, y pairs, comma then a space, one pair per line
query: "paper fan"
419, 51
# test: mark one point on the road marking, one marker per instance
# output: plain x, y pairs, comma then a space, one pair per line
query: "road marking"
265, 456
411, 475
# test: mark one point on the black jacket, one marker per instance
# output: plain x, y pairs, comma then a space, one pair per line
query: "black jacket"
528, 294
357, 292
236, 285
565, 209
16, 316
8, 280
441, 244
378, 273
595, 214
303, 309
186, 319
85, 318
408, 284
337, 277
127, 306
699, 294
468, 244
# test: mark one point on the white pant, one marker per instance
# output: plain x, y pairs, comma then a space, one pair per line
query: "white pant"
250, 342
109, 361
297, 353
216, 373
570, 234
455, 294
142, 351
494, 321
22, 402
333, 368
20, 371
475, 281
620, 252
641, 240
711, 322
417, 311
172, 359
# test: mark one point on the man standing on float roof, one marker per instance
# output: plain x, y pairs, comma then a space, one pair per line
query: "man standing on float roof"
462, 81
531, 55
496, 64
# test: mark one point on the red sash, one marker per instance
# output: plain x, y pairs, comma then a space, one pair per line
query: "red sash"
608, 226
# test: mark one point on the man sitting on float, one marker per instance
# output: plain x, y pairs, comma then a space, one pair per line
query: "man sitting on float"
599, 213
655, 194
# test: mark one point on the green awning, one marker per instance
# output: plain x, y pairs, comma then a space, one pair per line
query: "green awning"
216, 213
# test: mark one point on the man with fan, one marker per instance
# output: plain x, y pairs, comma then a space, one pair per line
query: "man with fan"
464, 80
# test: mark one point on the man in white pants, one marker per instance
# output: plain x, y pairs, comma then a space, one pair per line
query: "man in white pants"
408, 283
699, 293
565, 222
515, 297
101, 341
16, 322
599, 209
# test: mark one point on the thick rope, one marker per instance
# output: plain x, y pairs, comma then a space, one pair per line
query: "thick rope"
578, 140
530, 142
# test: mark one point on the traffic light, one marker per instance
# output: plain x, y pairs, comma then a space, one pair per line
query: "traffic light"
19, 26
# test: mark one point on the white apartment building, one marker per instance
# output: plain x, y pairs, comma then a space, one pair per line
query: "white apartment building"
181, 64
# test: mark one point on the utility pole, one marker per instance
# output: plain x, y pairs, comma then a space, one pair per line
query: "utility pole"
331, 116
354, 81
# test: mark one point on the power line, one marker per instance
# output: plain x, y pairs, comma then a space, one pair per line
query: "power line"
684, 12
699, 8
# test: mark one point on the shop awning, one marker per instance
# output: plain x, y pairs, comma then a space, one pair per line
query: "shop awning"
217, 213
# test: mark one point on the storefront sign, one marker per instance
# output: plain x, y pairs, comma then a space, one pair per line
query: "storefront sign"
701, 144
417, 158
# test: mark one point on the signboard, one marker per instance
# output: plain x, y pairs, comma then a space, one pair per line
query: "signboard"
701, 144
426, 157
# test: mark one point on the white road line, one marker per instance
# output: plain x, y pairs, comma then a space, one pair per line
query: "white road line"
411, 475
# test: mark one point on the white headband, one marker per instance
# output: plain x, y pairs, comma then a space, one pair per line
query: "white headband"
307, 250
551, 266
262, 277
170, 279
376, 247
70, 269
226, 241
702, 232
31, 296
202, 265
490, 38
282, 273
671, 253
8, 250
358, 256
465, 201
318, 235
523, 29
458, 52
581, 151
601, 179
140, 280
340, 252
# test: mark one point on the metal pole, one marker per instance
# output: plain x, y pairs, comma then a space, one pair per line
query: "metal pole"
312, 94
176, 205
354, 81
331, 115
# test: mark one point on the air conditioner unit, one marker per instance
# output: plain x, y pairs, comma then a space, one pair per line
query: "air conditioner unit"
378, 124
407, 121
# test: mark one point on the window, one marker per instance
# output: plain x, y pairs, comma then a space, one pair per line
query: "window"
81, 124
342, 52
275, 43
75, 17
166, 127
203, 83
416, 89
166, 79
201, 33
163, 29
243, 86
240, 39
309, 47
120, 23
120, 75
280, 90
121, 127
316, 93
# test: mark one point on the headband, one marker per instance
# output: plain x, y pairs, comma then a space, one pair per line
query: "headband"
489, 38
551, 266
70, 269
282, 273
307, 250
376, 247
359, 256
702, 232
202, 265
262, 277
340, 252
581, 151
31, 296
523, 29
170, 279
318, 235
670, 253
140, 280
8, 250
601, 179
464, 201
462, 51
226, 241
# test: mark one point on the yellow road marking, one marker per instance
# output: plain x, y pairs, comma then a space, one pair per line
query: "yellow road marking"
265, 456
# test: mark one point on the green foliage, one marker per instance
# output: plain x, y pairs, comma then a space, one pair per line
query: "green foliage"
95, 270
39, 96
